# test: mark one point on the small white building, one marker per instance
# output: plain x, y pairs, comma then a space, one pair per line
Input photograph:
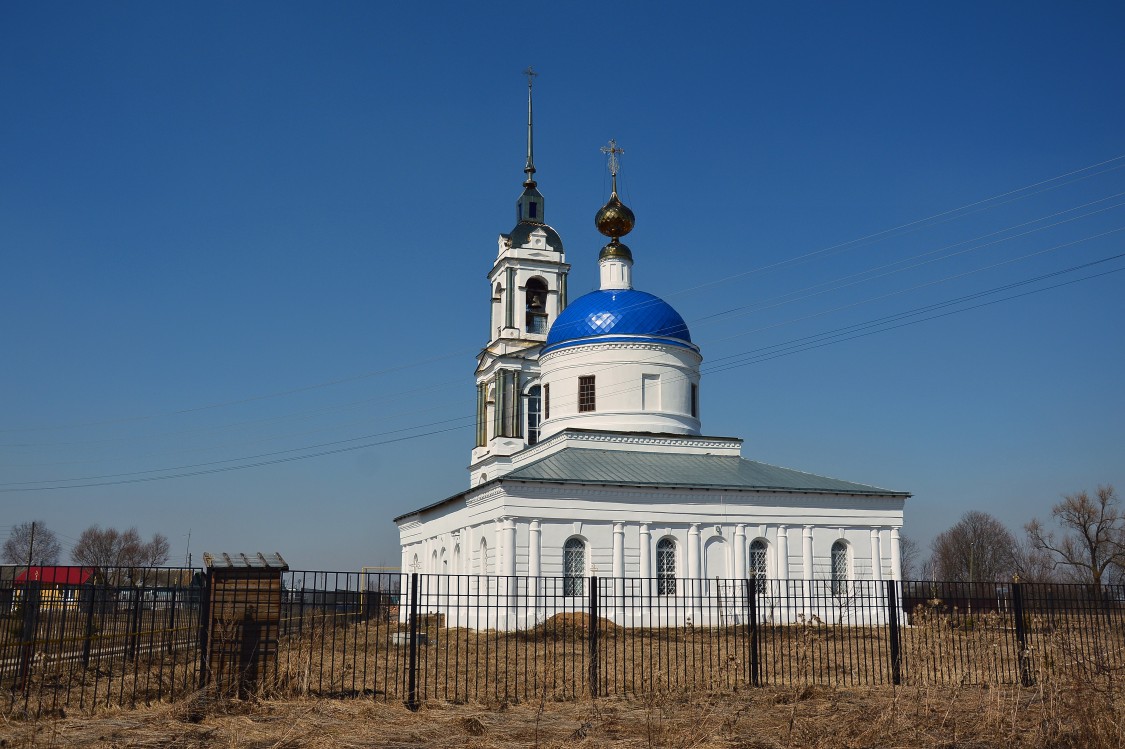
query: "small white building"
590, 459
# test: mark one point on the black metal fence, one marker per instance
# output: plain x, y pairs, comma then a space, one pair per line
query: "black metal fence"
488, 639
79, 637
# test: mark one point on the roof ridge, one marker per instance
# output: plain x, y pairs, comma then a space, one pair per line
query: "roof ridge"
818, 475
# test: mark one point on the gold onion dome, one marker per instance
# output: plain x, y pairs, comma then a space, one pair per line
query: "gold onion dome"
615, 220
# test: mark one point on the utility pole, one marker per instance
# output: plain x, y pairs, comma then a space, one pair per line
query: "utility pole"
31, 550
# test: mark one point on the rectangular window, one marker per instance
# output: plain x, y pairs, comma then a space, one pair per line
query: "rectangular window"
546, 402
531, 210
694, 400
586, 393
534, 406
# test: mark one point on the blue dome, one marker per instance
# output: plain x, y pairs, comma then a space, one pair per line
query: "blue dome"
618, 314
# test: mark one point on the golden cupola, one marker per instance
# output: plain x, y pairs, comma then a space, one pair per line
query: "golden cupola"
615, 219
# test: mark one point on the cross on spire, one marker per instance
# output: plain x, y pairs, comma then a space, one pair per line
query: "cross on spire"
529, 168
612, 151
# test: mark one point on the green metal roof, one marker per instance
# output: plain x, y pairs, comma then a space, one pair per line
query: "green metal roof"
634, 468
579, 465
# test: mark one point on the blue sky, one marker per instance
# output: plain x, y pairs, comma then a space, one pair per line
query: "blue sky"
238, 233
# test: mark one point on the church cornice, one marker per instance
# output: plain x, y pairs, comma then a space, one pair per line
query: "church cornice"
581, 346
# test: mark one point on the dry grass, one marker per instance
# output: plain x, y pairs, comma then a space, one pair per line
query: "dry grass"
1085, 714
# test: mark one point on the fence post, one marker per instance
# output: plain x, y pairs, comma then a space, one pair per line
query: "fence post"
170, 635
204, 629
751, 592
593, 612
412, 672
28, 630
893, 630
134, 631
88, 639
1021, 632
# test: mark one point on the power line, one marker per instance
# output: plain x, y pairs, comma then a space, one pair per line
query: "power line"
796, 346
948, 215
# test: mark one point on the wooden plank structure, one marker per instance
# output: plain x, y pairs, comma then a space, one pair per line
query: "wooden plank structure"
241, 622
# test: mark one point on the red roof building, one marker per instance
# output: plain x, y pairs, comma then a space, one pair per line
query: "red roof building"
55, 575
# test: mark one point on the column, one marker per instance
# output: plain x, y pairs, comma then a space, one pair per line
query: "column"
693, 583
876, 556
646, 552
806, 553
619, 550
534, 549
510, 546
896, 555
693, 552
807, 569
739, 551
782, 552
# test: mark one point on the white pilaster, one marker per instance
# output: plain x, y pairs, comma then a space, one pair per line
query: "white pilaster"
739, 551
876, 555
619, 550
806, 553
534, 549
693, 559
645, 552
782, 552
896, 554
510, 546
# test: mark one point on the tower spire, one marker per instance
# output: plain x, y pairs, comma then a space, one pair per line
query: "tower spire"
529, 169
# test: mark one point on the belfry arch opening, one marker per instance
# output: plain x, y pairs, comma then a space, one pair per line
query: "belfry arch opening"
535, 298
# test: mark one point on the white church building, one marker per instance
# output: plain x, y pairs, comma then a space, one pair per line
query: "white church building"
591, 459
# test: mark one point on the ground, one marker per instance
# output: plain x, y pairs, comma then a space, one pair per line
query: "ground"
961, 718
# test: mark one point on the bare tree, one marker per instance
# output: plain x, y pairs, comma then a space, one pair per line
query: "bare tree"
908, 556
108, 547
1091, 548
978, 548
33, 539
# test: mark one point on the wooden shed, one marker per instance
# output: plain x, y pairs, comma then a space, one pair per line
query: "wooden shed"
241, 622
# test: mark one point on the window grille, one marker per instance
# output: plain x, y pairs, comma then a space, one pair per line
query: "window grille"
586, 393
839, 568
546, 402
666, 567
574, 566
758, 565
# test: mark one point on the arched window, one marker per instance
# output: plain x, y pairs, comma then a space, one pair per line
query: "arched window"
666, 567
534, 412
574, 566
536, 297
758, 565
839, 568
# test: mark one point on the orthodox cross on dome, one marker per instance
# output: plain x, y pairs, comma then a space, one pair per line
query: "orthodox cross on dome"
612, 151
529, 169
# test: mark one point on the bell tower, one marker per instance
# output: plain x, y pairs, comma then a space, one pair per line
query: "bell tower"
527, 291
